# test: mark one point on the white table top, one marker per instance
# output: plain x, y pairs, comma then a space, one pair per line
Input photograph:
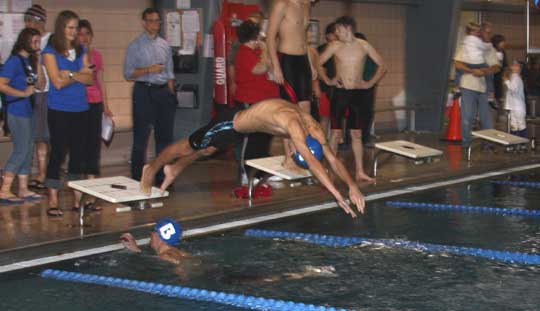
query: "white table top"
408, 149
500, 137
273, 166
101, 188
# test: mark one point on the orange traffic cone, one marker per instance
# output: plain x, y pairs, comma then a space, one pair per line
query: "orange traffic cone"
453, 131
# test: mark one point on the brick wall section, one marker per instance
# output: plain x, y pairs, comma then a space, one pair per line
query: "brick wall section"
512, 27
115, 24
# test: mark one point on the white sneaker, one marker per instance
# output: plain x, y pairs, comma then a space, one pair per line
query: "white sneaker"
275, 178
245, 180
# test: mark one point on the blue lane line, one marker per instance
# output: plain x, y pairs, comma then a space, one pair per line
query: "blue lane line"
466, 208
242, 301
524, 184
338, 241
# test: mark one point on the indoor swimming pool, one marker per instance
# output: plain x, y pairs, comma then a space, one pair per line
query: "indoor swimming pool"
357, 277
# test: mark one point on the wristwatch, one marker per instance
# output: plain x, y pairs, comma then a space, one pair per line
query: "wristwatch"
70, 75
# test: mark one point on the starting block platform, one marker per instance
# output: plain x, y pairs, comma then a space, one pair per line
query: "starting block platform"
272, 166
118, 189
406, 149
499, 137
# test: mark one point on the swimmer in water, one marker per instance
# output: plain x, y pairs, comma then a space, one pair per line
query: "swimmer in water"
164, 240
166, 236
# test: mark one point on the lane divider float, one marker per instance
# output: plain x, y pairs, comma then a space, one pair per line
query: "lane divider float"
242, 301
338, 241
523, 184
465, 208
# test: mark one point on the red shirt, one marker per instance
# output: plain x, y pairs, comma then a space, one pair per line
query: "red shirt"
251, 88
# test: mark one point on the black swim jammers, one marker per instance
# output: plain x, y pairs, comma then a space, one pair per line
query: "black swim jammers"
219, 133
297, 72
356, 102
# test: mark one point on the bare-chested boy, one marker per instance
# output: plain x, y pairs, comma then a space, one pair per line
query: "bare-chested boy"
351, 90
273, 116
289, 20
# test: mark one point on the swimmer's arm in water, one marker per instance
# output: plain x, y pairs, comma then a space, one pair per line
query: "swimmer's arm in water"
337, 166
129, 242
174, 255
298, 137
328, 53
276, 17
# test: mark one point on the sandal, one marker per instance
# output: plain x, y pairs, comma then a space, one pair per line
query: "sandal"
33, 197
55, 212
88, 207
91, 206
34, 183
11, 201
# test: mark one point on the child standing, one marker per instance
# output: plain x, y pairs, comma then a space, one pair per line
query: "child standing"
515, 100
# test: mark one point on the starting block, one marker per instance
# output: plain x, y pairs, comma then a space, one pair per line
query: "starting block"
509, 141
272, 166
406, 149
118, 189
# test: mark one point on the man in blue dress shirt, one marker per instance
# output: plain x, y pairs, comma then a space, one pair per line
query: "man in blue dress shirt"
149, 64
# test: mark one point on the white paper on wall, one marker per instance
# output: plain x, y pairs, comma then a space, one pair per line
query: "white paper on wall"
190, 21
183, 4
10, 27
20, 6
173, 29
190, 43
4, 6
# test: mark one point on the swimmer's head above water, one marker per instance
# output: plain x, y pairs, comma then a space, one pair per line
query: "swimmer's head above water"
167, 231
165, 234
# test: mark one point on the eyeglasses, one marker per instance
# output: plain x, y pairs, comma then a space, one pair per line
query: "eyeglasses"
153, 21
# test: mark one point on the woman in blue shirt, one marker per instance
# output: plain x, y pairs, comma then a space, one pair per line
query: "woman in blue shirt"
18, 78
68, 67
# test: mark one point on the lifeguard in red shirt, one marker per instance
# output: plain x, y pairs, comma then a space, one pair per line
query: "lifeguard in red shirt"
251, 65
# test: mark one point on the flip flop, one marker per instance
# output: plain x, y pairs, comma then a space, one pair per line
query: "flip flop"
33, 197
55, 212
11, 201
34, 183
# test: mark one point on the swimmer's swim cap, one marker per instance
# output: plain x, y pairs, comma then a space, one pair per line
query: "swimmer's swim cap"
315, 148
169, 231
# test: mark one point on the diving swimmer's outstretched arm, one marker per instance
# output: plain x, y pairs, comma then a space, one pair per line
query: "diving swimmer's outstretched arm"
337, 166
180, 151
298, 137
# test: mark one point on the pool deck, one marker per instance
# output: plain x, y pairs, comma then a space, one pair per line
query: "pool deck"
202, 197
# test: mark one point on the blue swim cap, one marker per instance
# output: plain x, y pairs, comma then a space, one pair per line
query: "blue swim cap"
315, 148
169, 231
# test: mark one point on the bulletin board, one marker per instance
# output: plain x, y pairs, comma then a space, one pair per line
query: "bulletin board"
183, 29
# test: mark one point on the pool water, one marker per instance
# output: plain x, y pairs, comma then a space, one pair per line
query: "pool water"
366, 278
